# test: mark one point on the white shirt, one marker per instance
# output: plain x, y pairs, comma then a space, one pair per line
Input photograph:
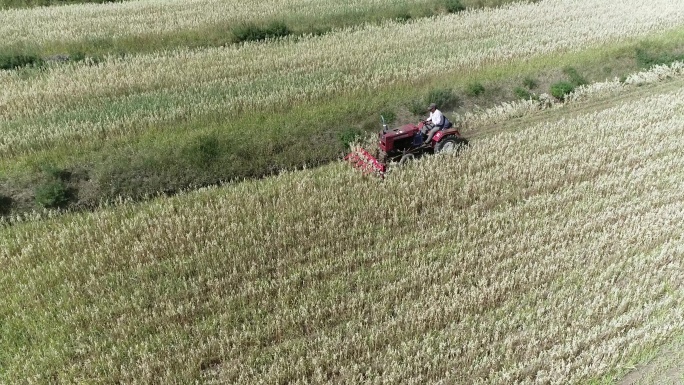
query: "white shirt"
436, 117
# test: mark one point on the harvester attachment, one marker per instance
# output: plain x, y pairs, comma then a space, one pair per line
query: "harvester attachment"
364, 161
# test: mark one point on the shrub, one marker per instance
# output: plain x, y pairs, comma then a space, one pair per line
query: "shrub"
453, 6
646, 58
575, 78
52, 171
349, 136
10, 62
522, 93
530, 83
403, 17
560, 89
203, 150
252, 32
277, 29
389, 115
474, 89
248, 32
52, 193
77, 56
417, 107
443, 97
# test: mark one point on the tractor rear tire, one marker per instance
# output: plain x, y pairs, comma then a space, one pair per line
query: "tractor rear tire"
450, 144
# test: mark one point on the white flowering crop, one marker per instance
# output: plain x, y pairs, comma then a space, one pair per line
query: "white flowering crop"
151, 17
86, 103
551, 255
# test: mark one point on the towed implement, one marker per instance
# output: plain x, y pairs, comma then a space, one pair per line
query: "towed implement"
403, 144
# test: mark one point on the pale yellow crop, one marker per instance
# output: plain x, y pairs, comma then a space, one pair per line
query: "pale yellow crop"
551, 255
83, 102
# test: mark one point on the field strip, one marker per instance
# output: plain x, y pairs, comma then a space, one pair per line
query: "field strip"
520, 114
526, 259
148, 17
84, 102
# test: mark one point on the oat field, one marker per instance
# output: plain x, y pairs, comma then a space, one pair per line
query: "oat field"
547, 255
547, 252
85, 104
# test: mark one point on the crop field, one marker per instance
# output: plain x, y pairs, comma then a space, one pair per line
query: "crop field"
547, 255
64, 107
252, 108
549, 251
116, 20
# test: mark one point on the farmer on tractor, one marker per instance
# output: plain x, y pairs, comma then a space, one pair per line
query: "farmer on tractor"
435, 122
404, 143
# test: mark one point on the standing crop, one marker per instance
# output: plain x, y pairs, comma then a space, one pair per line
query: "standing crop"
88, 103
548, 255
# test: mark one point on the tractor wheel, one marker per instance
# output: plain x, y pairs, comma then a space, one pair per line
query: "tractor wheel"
406, 158
450, 144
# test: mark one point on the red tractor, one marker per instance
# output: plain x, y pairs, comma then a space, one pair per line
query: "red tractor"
405, 143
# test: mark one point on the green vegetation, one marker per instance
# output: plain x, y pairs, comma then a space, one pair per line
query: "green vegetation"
163, 158
252, 32
221, 34
6, 4
474, 89
560, 89
51, 194
349, 136
522, 93
389, 115
51, 190
9, 61
326, 275
329, 276
564, 87
449, 5
443, 97
649, 54
5, 205
530, 82
525, 92
454, 6
574, 77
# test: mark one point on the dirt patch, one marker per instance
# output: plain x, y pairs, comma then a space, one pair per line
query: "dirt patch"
666, 367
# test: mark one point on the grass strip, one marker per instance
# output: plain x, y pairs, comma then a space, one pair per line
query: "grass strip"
212, 148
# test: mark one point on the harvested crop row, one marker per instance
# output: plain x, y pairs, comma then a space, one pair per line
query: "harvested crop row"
548, 255
86, 103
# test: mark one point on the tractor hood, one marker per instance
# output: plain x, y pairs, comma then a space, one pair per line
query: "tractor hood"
409, 129
387, 138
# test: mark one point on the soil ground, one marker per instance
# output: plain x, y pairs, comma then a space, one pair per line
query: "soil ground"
665, 367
